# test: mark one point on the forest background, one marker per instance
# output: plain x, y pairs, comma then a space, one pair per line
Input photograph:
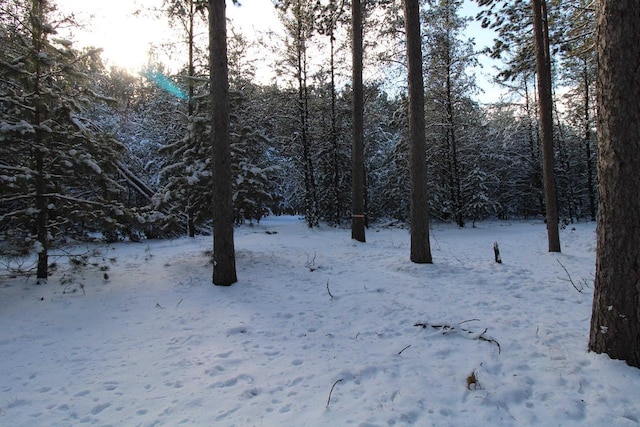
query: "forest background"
121, 155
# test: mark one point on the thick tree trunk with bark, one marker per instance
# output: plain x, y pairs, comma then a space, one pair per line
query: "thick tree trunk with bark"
357, 153
543, 62
615, 321
420, 248
224, 266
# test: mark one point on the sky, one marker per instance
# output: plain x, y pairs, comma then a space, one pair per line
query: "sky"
126, 35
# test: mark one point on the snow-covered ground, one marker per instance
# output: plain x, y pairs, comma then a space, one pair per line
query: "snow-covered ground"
319, 331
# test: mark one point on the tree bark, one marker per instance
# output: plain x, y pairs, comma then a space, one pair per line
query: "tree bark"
420, 248
224, 262
615, 321
301, 40
543, 62
535, 183
587, 144
191, 229
357, 153
456, 187
42, 216
334, 118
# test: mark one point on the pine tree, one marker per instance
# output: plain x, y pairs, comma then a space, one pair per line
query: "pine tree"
187, 12
578, 73
297, 17
252, 166
331, 16
387, 156
449, 107
224, 261
420, 247
62, 166
357, 156
512, 23
187, 182
545, 108
615, 320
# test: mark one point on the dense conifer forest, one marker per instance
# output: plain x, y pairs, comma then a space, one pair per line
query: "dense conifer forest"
95, 149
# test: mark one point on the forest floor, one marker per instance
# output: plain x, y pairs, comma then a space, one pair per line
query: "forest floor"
320, 330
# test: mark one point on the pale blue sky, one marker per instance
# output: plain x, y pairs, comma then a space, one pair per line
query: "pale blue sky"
126, 37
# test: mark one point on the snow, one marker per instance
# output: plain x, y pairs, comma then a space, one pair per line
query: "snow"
37, 247
93, 165
319, 331
22, 127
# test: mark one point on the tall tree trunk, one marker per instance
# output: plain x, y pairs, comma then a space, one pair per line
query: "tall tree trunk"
587, 144
310, 196
564, 158
615, 321
543, 62
420, 248
456, 187
224, 261
357, 153
534, 151
191, 229
42, 217
334, 120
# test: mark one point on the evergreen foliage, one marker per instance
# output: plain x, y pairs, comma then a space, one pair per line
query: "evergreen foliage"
59, 170
86, 151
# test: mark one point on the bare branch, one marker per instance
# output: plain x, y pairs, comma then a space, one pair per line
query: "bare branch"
400, 352
446, 328
330, 392
331, 295
570, 280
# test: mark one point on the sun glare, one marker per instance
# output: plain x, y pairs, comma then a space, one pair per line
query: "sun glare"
125, 36
127, 30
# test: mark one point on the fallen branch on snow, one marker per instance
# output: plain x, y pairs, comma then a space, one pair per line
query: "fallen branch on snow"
446, 328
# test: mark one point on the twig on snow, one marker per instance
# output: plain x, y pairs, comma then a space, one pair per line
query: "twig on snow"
311, 263
73, 288
330, 392
570, 280
446, 328
404, 349
329, 291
